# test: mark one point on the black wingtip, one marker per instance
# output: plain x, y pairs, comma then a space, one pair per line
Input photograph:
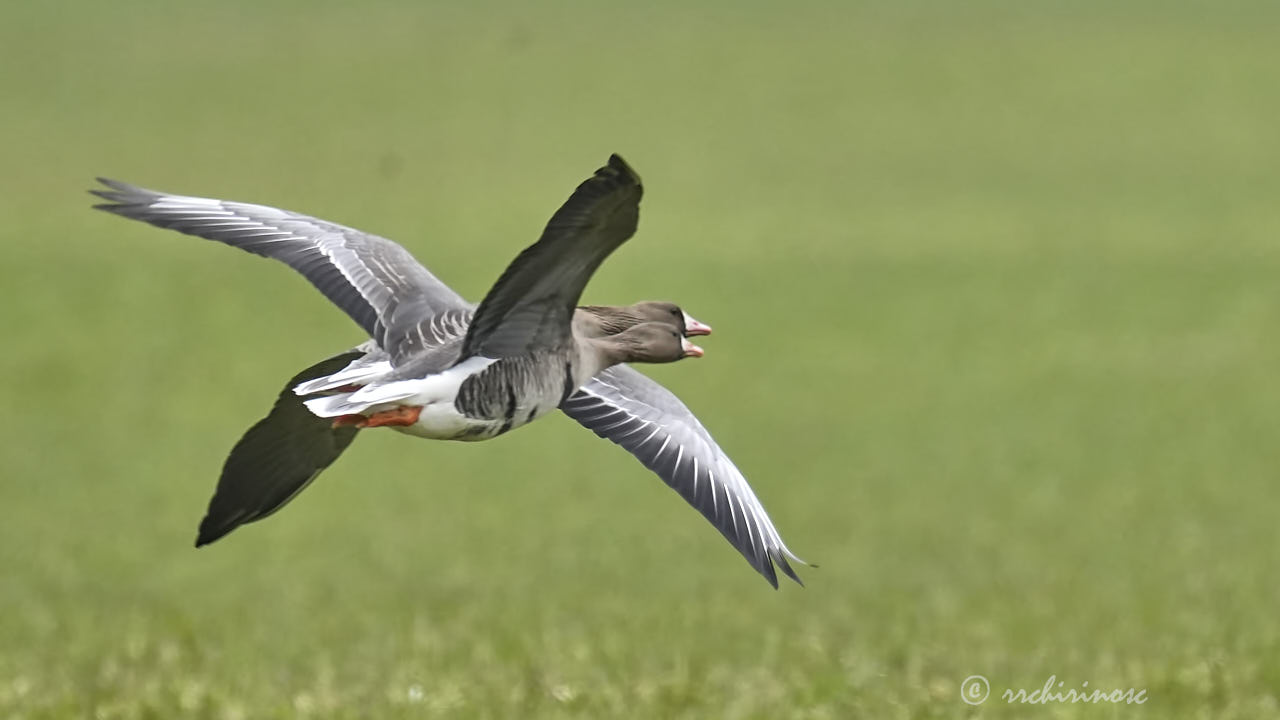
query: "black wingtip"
218, 524
121, 195
115, 197
209, 533
765, 568
114, 187
620, 166
781, 560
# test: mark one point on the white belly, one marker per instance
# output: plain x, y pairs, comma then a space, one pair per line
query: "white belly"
442, 421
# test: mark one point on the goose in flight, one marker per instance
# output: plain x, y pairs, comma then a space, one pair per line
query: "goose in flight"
438, 367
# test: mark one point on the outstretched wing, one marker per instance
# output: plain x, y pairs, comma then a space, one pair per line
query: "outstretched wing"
372, 279
277, 458
530, 306
624, 406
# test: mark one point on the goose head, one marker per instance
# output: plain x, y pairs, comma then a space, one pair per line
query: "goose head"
650, 342
668, 312
613, 319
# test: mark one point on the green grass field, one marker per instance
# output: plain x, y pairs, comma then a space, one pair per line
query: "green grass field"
997, 336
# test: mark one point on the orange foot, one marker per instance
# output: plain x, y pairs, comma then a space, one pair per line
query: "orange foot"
354, 420
402, 416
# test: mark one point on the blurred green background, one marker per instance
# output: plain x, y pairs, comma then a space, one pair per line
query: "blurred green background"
997, 320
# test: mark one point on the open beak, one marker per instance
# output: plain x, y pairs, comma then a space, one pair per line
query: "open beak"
693, 327
690, 350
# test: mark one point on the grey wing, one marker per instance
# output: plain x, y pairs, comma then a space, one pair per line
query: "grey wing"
373, 280
276, 459
531, 305
432, 345
624, 406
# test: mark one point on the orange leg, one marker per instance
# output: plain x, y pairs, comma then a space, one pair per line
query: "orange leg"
398, 416
402, 416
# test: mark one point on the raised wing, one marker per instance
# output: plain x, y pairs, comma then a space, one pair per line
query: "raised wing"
631, 410
530, 306
373, 280
277, 458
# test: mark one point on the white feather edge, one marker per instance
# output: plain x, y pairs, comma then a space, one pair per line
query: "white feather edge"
440, 387
359, 372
